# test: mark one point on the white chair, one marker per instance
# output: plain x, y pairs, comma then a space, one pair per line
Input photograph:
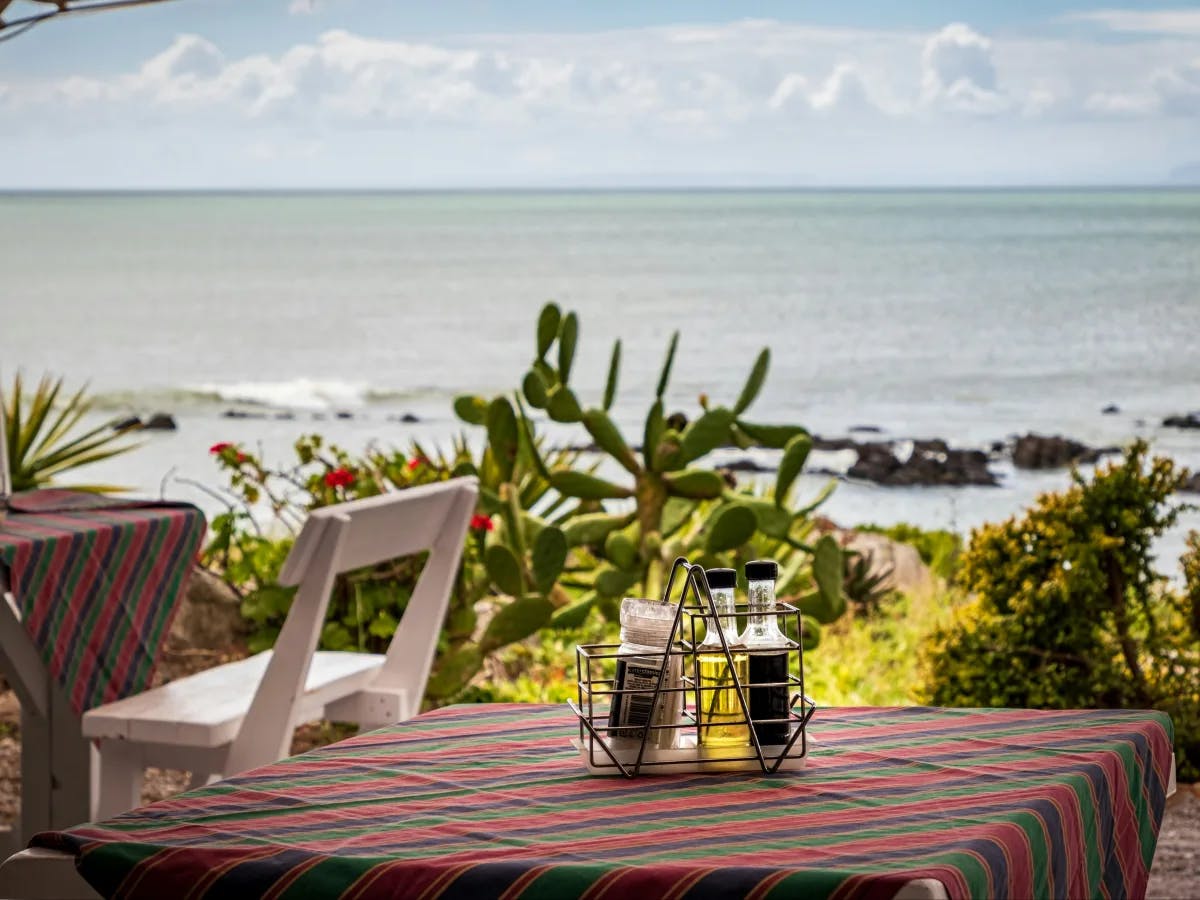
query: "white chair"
241, 715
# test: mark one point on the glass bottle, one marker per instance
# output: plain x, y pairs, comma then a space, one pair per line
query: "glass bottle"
645, 629
722, 723
768, 649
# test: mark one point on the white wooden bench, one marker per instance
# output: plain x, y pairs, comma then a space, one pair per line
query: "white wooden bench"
241, 715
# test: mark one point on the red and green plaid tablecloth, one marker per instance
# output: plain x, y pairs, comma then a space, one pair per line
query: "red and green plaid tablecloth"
97, 583
490, 801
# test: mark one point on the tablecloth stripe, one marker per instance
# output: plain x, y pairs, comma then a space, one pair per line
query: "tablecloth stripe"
97, 590
490, 802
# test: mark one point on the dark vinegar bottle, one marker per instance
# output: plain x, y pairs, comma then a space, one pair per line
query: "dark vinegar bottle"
768, 648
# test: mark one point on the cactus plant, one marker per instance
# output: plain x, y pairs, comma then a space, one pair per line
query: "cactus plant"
678, 508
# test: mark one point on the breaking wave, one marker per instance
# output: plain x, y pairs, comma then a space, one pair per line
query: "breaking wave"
297, 393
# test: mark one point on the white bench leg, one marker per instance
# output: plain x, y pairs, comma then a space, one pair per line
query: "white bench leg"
122, 769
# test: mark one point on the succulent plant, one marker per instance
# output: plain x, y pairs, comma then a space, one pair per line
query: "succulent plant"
671, 507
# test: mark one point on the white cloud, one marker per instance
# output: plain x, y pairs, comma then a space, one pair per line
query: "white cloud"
1178, 89
749, 96
1139, 21
958, 72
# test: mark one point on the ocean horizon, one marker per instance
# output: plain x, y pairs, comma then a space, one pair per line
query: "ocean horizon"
966, 314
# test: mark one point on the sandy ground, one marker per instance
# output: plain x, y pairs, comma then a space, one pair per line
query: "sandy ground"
1175, 875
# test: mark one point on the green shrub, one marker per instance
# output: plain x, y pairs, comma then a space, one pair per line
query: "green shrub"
1067, 610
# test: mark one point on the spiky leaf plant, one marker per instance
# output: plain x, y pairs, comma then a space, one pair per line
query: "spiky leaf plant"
46, 438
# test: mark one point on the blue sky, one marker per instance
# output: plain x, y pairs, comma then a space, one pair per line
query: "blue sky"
329, 93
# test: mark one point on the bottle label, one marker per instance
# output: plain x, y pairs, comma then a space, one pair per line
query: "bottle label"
631, 713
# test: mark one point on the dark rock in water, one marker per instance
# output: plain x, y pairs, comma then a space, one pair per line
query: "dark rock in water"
286, 416
1191, 420
318, 417
744, 465
409, 418
1192, 485
127, 424
1037, 451
160, 422
932, 462
1111, 410
344, 414
823, 443
242, 414
999, 447
867, 429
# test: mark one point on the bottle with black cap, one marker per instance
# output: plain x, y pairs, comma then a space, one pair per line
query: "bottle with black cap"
768, 649
722, 723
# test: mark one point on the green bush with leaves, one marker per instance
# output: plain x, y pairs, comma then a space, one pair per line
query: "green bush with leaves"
1068, 611
45, 439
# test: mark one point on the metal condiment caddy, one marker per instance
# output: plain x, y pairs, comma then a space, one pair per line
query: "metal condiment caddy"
676, 745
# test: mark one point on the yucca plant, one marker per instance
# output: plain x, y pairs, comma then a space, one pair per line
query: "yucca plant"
44, 437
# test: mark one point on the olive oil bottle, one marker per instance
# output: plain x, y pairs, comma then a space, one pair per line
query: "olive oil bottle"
722, 721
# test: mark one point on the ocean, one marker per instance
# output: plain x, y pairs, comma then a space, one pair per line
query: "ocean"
966, 315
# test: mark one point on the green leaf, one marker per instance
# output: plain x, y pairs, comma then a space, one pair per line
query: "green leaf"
464, 468
731, 528
610, 385
548, 557
534, 387
821, 497
517, 621
773, 521
666, 369
612, 582
471, 409
530, 443
705, 434
655, 425
699, 484
773, 436
575, 614
810, 635
562, 405
568, 334
592, 528
754, 383
503, 569
609, 439
502, 436
547, 328
795, 454
585, 486
828, 566
676, 511
620, 550
451, 672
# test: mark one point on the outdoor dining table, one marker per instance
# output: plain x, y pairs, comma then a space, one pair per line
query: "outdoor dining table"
90, 586
493, 801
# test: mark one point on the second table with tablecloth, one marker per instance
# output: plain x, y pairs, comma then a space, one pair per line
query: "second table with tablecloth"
95, 583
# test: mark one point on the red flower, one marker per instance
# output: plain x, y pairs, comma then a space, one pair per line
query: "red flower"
482, 523
219, 448
416, 462
339, 478
242, 457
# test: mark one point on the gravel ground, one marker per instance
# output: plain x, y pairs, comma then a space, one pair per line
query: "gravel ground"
1175, 875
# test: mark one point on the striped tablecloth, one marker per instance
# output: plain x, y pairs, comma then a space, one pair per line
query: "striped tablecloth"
489, 801
97, 583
